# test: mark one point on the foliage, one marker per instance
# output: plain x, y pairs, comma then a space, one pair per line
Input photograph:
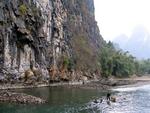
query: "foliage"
84, 55
68, 63
116, 62
144, 66
23, 9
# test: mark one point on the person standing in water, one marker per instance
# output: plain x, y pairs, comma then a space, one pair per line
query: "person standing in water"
108, 96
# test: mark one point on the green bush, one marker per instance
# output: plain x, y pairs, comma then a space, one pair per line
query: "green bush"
116, 62
23, 9
66, 61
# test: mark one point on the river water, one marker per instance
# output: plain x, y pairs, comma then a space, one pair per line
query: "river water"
73, 100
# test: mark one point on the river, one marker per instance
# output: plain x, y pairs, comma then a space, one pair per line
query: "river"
76, 100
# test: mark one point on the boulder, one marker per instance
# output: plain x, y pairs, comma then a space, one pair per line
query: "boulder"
28, 74
113, 99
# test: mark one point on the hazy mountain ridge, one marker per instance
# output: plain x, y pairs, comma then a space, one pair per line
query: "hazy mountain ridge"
137, 44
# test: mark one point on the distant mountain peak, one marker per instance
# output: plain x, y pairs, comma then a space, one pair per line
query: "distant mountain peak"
137, 44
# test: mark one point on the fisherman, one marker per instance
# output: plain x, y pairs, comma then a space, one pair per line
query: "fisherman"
108, 96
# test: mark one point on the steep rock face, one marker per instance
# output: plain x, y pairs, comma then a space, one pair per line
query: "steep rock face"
85, 38
47, 39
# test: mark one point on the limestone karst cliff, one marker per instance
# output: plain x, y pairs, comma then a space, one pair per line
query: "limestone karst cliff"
48, 40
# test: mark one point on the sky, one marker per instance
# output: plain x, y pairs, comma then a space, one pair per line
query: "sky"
116, 17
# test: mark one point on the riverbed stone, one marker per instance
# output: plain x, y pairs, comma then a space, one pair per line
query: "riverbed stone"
19, 98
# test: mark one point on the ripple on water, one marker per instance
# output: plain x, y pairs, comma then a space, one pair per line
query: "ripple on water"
129, 100
132, 88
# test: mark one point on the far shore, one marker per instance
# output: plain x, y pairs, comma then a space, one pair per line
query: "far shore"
135, 78
90, 84
134, 81
115, 82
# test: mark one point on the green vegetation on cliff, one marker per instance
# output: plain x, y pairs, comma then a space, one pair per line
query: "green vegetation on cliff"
23, 9
117, 63
84, 38
144, 67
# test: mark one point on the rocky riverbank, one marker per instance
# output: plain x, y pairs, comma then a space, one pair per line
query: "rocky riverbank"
98, 84
103, 84
20, 98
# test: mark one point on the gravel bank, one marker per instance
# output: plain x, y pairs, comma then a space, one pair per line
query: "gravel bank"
19, 98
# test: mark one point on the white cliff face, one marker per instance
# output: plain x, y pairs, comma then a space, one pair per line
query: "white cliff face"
7, 57
39, 35
26, 45
54, 15
46, 9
